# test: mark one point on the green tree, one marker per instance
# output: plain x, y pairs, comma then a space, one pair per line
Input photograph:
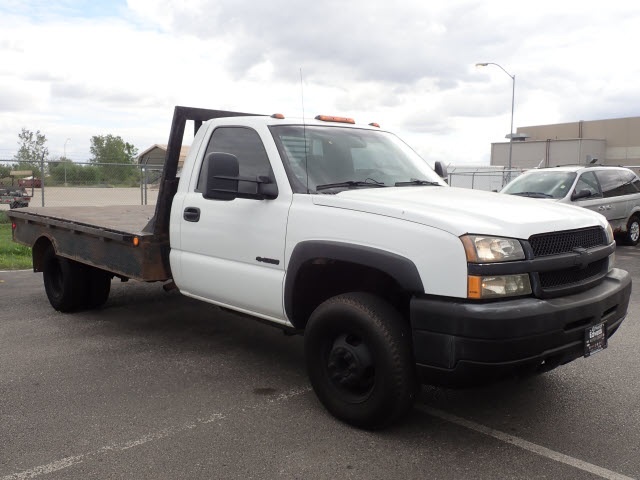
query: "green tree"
31, 151
65, 172
55, 161
119, 157
4, 171
60, 171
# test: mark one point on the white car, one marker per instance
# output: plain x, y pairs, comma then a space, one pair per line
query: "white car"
612, 191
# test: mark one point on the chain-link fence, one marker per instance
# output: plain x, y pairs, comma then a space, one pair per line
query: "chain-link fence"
482, 178
73, 183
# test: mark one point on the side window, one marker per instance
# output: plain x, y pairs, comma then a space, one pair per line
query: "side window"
611, 182
247, 146
588, 181
631, 182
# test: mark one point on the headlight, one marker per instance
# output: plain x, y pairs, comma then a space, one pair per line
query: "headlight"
609, 232
498, 286
482, 249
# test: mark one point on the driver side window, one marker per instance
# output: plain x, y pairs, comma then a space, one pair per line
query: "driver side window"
247, 146
588, 181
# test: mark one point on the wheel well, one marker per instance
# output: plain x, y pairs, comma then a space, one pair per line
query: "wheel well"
320, 279
37, 252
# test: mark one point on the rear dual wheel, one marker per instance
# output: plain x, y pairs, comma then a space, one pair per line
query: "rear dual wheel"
72, 286
99, 287
359, 360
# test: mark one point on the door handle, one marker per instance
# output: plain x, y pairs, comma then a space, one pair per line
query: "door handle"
191, 214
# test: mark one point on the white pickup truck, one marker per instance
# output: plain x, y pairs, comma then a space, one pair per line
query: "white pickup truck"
342, 233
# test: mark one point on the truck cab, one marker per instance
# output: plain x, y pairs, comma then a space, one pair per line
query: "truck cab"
240, 243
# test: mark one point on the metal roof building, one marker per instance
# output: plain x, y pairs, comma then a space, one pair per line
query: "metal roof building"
611, 141
155, 155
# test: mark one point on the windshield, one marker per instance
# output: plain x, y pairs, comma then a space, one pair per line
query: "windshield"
542, 184
338, 158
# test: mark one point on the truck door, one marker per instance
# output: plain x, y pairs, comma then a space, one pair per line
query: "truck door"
232, 252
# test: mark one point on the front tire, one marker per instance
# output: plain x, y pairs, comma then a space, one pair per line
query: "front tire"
632, 237
359, 360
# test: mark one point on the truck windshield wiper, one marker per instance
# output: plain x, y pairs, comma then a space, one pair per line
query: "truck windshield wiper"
415, 181
533, 194
369, 182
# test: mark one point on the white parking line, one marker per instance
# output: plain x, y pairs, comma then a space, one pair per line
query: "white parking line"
67, 462
524, 444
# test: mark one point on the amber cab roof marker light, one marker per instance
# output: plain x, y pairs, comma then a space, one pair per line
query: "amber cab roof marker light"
279, 116
374, 124
331, 118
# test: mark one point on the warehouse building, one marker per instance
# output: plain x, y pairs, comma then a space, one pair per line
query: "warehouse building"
606, 142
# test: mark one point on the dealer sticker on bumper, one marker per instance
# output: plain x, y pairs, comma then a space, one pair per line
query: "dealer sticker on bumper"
595, 339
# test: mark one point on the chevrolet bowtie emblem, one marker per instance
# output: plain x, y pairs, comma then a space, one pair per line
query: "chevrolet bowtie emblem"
582, 259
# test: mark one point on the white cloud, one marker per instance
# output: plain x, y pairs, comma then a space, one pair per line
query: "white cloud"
408, 67
21, 97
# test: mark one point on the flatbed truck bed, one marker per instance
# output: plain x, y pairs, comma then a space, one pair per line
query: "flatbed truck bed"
111, 238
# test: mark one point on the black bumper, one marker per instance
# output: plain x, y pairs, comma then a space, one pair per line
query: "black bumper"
458, 342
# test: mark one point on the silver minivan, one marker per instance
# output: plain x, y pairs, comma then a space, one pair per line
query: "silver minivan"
612, 191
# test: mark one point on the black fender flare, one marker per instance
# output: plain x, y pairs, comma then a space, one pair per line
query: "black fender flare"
400, 268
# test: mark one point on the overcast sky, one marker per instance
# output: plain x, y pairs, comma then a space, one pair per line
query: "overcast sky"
77, 68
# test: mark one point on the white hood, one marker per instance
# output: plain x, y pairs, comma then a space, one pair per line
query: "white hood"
459, 210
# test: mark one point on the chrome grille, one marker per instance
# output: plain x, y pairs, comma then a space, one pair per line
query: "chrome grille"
564, 242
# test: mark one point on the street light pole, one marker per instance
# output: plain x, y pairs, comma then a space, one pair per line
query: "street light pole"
65, 147
513, 97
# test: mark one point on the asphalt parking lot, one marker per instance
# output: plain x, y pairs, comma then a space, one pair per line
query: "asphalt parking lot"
155, 385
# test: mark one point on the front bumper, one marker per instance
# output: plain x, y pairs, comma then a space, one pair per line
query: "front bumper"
457, 342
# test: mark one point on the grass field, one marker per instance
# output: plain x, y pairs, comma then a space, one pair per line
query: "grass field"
12, 255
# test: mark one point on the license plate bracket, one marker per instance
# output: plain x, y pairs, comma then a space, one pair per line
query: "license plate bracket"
595, 339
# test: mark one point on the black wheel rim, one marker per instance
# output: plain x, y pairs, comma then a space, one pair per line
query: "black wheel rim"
350, 367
